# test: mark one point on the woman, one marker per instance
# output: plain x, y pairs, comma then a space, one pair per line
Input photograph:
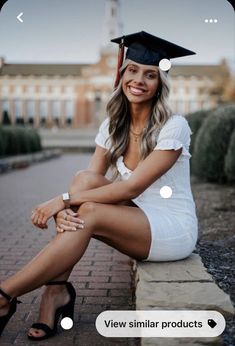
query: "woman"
145, 211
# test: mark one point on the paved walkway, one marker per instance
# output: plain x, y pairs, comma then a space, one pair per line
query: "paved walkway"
102, 278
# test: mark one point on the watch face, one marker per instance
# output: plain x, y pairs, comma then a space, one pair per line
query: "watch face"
66, 197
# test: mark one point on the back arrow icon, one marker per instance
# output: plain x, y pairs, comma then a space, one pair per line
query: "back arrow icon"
19, 17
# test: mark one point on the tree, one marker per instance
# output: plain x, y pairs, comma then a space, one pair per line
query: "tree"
5, 118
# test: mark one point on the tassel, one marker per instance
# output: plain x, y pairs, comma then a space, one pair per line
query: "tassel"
119, 63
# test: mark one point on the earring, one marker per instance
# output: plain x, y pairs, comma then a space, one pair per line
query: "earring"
158, 94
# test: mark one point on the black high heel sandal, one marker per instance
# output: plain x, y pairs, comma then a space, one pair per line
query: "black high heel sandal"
66, 310
13, 305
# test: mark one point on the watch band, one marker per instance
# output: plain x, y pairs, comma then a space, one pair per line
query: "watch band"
66, 199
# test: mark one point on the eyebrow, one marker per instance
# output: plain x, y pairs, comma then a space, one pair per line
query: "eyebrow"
148, 70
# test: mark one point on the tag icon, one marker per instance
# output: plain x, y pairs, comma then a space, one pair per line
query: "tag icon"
211, 323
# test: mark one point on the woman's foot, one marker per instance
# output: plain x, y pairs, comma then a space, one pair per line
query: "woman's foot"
53, 297
8, 306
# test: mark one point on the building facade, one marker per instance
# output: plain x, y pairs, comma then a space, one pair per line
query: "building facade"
76, 94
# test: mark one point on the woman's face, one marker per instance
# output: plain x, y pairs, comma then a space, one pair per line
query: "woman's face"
140, 82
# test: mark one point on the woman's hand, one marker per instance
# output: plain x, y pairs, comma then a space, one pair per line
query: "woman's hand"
67, 220
43, 212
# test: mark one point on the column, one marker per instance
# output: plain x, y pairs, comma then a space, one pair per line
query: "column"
49, 115
24, 111
12, 111
62, 114
36, 114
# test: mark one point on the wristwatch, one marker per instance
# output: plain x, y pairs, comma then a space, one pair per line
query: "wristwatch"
66, 199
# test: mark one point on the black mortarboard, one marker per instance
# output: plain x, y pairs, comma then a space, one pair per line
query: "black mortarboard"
2, 2
147, 49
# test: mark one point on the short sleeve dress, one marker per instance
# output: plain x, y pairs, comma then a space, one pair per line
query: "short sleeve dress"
173, 220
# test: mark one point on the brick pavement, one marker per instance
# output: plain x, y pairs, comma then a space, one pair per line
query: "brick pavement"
102, 277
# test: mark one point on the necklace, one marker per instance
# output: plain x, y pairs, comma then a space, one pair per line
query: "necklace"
136, 135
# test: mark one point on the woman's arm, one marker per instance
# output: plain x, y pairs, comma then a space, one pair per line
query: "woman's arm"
149, 170
153, 167
98, 162
41, 213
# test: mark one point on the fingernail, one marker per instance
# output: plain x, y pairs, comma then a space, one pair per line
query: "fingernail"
81, 226
82, 221
74, 229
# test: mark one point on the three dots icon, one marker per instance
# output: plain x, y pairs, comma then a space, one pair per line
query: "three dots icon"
211, 20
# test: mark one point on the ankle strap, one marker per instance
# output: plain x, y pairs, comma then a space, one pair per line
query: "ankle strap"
5, 295
9, 298
56, 283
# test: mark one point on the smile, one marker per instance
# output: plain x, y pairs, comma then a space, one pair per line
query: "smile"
136, 91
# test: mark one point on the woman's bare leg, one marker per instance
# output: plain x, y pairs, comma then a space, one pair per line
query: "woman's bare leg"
57, 295
68, 247
26, 279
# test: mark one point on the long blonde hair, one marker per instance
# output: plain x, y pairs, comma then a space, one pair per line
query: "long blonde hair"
119, 121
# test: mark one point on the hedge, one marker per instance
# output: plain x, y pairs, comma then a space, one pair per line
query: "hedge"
18, 140
2, 142
211, 144
229, 164
195, 121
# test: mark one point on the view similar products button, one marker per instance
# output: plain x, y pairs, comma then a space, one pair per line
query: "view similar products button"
161, 323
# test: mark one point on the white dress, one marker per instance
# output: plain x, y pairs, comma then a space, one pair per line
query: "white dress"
173, 220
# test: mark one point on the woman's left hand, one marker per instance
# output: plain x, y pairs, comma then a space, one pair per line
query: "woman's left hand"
43, 212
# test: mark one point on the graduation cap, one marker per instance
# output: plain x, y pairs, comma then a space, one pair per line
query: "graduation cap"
147, 49
2, 2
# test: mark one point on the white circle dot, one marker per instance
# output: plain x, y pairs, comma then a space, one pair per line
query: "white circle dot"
66, 323
215, 20
165, 64
166, 192
206, 20
211, 20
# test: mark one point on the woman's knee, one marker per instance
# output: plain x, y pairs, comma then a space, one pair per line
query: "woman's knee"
87, 212
87, 208
83, 179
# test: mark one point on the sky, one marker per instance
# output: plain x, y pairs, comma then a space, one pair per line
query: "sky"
70, 31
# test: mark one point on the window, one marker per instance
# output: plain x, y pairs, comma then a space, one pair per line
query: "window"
181, 107
193, 106
97, 104
206, 104
5, 89
5, 105
68, 90
69, 109
43, 89
56, 90
193, 91
30, 109
181, 90
18, 89
18, 108
56, 109
43, 109
30, 89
